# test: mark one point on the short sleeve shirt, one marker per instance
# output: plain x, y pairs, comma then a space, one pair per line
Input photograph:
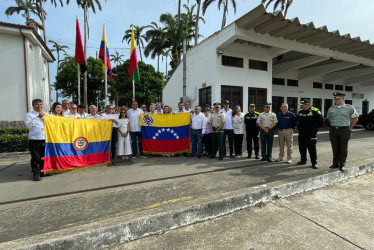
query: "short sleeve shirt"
341, 116
216, 119
267, 119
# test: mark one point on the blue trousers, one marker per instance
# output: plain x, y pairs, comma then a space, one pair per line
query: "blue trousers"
136, 141
113, 146
196, 138
230, 134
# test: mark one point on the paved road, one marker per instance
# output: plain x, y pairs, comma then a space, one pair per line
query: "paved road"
336, 217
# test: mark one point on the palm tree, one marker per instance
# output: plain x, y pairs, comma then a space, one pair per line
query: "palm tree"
284, 5
223, 3
156, 37
58, 48
86, 5
139, 37
117, 59
189, 20
198, 2
28, 7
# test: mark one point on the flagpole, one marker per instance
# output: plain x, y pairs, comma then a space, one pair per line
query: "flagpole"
79, 83
133, 90
106, 74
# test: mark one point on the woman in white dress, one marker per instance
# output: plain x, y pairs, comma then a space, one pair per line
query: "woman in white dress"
124, 145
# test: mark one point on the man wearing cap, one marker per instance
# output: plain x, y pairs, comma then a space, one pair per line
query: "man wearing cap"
81, 111
286, 123
252, 130
342, 118
216, 122
228, 129
267, 120
309, 119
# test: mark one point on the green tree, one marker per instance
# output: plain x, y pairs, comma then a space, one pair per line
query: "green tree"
148, 91
27, 7
58, 48
66, 80
224, 4
117, 59
283, 4
139, 37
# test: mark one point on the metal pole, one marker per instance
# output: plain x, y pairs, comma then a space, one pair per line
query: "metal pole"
184, 67
133, 90
106, 75
79, 83
85, 52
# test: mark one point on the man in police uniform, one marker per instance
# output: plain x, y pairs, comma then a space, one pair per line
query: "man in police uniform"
216, 122
342, 118
252, 130
309, 120
267, 120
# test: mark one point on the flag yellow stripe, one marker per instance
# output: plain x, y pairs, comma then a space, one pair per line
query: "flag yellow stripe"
132, 41
168, 120
66, 130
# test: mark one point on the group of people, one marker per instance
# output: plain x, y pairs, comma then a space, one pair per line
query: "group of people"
209, 129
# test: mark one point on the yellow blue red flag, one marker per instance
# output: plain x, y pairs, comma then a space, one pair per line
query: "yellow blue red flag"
165, 133
104, 47
75, 143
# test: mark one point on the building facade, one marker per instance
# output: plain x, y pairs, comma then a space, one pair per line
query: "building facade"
263, 57
24, 59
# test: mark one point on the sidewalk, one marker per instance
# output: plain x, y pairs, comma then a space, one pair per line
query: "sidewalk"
104, 206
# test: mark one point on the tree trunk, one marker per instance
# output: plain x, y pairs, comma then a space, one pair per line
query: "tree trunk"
85, 52
140, 51
179, 11
158, 63
197, 21
224, 14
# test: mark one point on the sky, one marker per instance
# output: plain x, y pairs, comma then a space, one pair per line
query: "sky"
348, 16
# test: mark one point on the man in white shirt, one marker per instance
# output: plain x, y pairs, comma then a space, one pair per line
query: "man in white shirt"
228, 129
108, 115
197, 123
187, 106
93, 113
159, 109
65, 106
135, 130
34, 121
180, 108
82, 111
73, 111
207, 135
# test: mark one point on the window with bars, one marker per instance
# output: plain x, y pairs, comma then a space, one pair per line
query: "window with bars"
258, 65
232, 61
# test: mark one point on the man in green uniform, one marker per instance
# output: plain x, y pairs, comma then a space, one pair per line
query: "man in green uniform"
342, 118
252, 130
267, 120
309, 119
216, 122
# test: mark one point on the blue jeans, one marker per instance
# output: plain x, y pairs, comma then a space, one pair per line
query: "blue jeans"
230, 135
196, 138
113, 147
136, 141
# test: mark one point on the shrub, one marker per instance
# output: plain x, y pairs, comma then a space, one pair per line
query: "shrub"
14, 140
13, 131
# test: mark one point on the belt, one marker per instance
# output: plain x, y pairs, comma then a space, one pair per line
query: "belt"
197, 129
283, 129
341, 127
215, 128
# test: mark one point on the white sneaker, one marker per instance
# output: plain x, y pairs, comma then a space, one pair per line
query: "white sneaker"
279, 159
289, 161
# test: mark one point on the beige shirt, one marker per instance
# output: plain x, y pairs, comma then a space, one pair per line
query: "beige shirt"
216, 119
267, 119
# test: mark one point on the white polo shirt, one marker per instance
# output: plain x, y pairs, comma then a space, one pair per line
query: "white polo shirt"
35, 126
134, 117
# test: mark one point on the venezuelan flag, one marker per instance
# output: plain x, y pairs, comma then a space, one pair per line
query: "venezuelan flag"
165, 133
104, 47
75, 143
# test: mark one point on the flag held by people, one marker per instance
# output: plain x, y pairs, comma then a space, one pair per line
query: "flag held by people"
134, 68
165, 133
75, 143
79, 52
104, 47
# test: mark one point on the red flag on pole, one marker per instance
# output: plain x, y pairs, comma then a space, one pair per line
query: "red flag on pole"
79, 52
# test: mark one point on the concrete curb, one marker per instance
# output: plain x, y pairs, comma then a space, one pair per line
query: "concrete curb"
13, 153
125, 228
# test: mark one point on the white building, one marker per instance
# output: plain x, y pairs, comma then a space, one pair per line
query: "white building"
263, 57
24, 61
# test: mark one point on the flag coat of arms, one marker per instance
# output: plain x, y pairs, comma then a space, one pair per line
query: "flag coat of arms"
165, 133
75, 143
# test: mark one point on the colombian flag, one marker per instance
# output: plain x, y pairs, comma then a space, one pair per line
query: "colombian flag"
75, 143
165, 133
104, 47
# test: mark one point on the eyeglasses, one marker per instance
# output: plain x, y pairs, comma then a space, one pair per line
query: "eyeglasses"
73, 108
110, 108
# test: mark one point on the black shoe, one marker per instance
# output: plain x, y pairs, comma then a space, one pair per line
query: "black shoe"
334, 166
257, 157
37, 177
342, 168
199, 156
232, 156
270, 159
220, 159
315, 166
263, 159
191, 156
249, 156
113, 163
301, 163
211, 157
